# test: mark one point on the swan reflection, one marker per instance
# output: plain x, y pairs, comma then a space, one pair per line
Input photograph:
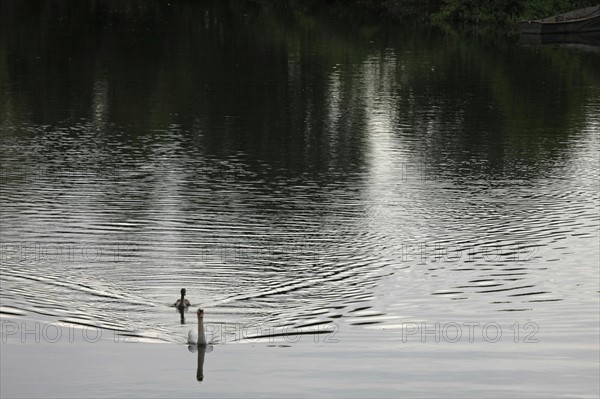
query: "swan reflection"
197, 343
201, 350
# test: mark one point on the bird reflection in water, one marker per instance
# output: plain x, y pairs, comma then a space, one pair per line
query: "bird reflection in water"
181, 315
202, 350
197, 342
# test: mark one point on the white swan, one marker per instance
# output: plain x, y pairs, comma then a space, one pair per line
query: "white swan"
182, 303
198, 337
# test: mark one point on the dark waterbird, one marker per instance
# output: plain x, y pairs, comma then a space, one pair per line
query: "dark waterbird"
182, 303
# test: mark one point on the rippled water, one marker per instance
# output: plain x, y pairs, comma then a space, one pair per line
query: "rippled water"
288, 173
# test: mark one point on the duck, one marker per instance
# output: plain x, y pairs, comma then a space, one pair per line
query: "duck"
198, 337
182, 303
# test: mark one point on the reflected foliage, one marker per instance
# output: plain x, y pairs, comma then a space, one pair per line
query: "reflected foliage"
286, 87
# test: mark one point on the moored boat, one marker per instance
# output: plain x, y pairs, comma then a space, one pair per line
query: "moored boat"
577, 21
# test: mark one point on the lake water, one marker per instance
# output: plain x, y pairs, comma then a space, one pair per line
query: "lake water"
394, 209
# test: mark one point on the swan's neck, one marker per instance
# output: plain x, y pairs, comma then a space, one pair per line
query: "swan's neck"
201, 337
